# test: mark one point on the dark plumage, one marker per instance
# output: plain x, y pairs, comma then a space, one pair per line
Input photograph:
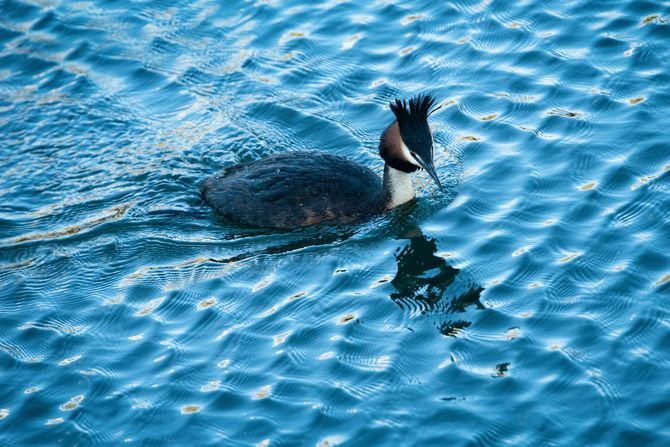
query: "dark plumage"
294, 189
412, 117
297, 189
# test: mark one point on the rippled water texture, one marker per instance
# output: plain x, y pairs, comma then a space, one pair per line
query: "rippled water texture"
527, 305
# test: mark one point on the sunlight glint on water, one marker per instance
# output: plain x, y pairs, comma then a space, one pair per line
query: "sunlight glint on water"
526, 305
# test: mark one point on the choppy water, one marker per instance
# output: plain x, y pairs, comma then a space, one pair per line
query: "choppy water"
526, 306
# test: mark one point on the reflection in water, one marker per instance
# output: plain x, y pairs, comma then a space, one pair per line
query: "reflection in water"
426, 283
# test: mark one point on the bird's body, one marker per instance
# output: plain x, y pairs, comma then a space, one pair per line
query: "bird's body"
297, 189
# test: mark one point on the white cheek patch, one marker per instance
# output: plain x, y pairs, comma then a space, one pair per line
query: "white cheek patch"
407, 155
432, 139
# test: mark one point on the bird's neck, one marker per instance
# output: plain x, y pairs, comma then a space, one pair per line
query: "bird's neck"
398, 188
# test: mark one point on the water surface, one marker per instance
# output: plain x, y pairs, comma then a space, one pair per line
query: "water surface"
527, 305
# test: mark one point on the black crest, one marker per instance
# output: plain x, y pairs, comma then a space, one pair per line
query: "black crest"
412, 117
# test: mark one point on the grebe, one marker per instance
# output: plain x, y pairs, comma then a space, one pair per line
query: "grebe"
297, 189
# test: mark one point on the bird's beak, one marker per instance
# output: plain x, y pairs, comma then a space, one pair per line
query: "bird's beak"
430, 169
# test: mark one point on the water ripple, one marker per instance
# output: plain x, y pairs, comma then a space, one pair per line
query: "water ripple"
533, 285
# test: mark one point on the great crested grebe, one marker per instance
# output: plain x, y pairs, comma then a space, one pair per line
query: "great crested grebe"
297, 189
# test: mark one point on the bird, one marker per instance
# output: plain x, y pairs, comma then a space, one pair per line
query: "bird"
302, 188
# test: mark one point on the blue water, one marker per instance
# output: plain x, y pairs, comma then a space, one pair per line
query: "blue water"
528, 304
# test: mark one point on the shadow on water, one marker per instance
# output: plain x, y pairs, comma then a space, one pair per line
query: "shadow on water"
425, 283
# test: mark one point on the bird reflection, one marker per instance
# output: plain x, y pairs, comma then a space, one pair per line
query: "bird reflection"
425, 283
